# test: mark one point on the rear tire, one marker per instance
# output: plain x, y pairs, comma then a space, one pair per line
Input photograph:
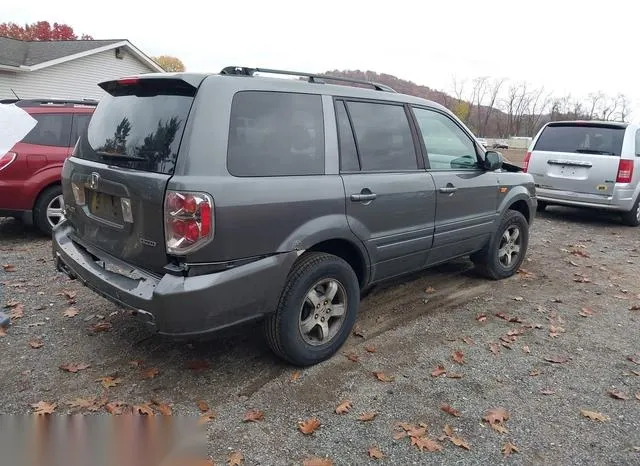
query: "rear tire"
295, 332
542, 205
632, 218
46, 209
513, 232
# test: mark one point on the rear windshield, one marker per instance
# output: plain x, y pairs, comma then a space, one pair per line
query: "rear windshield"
579, 139
141, 132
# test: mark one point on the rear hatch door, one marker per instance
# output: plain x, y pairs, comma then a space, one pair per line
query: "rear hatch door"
116, 179
578, 158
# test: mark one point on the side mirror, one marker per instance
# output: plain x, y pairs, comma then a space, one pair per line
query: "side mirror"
492, 160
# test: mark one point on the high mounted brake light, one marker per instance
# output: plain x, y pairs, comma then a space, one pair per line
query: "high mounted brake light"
128, 81
188, 221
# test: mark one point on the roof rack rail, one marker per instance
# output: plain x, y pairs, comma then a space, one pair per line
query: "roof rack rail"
40, 101
311, 77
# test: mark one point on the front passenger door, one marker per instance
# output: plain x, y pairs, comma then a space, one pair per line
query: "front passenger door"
466, 194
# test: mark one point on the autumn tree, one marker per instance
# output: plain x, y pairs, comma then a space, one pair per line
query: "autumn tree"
168, 63
41, 30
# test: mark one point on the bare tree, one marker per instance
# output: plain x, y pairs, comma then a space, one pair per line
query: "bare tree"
594, 99
480, 88
625, 107
493, 89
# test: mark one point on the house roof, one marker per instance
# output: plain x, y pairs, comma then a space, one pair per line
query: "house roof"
32, 55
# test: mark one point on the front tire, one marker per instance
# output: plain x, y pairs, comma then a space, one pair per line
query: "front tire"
316, 312
507, 248
632, 218
48, 209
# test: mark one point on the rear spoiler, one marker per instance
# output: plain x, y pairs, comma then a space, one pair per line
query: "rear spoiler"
154, 84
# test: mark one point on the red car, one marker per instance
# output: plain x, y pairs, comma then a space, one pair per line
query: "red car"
30, 171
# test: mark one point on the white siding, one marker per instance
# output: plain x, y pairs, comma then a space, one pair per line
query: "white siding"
75, 79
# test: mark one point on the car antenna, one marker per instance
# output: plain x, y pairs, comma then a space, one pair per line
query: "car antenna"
14, 93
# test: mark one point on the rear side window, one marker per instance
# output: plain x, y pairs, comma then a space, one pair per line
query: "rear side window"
79, 125
52, 129
384, 136
581, 139
276, 134
139, 126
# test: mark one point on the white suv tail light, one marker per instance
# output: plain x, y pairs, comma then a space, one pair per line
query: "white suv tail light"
188, 221
7, 159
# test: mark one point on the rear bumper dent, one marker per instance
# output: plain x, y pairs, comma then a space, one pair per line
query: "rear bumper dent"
176, 305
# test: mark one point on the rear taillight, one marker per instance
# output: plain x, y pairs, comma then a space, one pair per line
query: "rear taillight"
7, 159
188, 221
525, 164
625, 171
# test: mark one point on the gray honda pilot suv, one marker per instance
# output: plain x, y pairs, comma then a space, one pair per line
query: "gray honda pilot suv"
202, 201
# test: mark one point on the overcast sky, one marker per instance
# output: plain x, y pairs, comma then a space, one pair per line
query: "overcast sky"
568, 46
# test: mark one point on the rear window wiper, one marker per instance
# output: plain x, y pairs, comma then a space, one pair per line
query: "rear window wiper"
593, 151
118, 156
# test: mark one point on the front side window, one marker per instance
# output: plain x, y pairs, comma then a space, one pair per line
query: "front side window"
276, 134
448, 147
52, 129
384, 136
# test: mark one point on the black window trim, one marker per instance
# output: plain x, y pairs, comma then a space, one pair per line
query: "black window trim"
324, 131
353, 135
466, 133
419, 159
637, 146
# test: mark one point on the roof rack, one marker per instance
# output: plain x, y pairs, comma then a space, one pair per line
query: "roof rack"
60, 102
311, 77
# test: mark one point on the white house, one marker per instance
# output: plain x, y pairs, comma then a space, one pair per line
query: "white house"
66, 69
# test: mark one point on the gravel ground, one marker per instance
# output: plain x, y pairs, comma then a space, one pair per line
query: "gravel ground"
579, 262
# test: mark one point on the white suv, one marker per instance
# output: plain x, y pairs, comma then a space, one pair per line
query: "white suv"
592, 164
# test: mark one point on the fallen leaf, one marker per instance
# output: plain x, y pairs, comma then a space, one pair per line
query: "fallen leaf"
295, 376
481, 317
74, 367
556, 359
635, 307
633, 359
518, 298
382, 377
358, 332
458, 442
547, 391
496, 416
494, 348
144, 409
399, 435
501, 429
594, 416
534, 372
573, 263
554, 331
71, 312
586, 312
81, 403
450, 410
438, 371
163, 409
508, 449
579, 252
412, 430
9, 267
203, 406
108, 381
458, 357
375, 453
367, 416
452, 375
353, 357
136, 362
17, 312
101, 327
502, 315
618, 395
423, 443
638, 395
43, 407
525, 349
430, 290
12, 303
315, 461
3, 331
344, 407
309, 426
69, 294
370, 349
115, 408
235, 459
253, 415
37, 343
206, 417
467, 340
150, 373
197, 365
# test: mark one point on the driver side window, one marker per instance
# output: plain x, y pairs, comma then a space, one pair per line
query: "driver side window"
448, 147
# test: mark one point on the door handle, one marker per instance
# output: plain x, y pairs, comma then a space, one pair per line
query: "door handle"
448, 189
363, 197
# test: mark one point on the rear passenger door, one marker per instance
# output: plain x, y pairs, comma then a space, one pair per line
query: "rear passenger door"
390, 198
466, 194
